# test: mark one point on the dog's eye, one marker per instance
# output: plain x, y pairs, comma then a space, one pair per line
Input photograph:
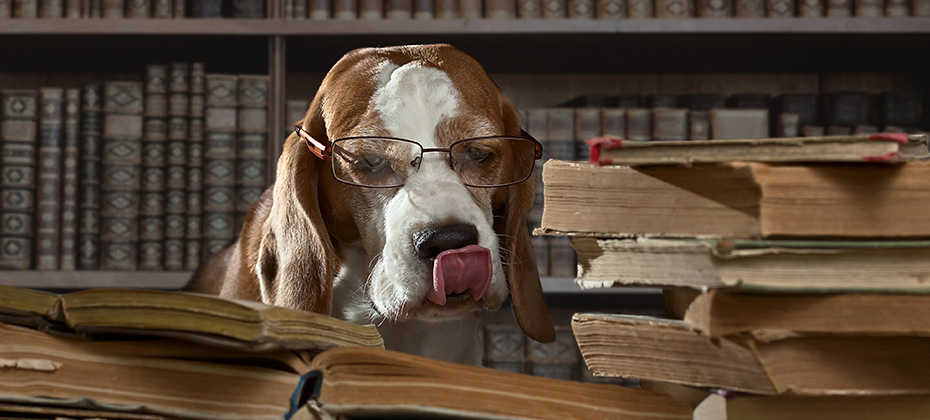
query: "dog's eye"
478, 155
371, 163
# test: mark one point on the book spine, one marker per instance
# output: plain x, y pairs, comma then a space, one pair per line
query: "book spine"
554, 9
640, 9
537, 124
51, 8
900, 108
714, 8
562, 261
154, 174
670, 124
581, 9
345, 9
48, 188
296, 9
398, 9
91, 144
699, 125
447, 9
638, 124
470, 9
252, 144
529, 9
848, 109
673, 9
839, 8
810, 8
202, 8
25, 9
897, 8
6, 7
610, 9
18, 137
869, 8
423, 9
219, 154
500, 9
661, 100
180, 9
162, 9
71, 156
505, 348
319, 9
193, 247
73, 9
558, 359
780, 8
920, 8
788, 125
112, 9
138, 9
561, 133
749, 8
247, 9
587, 126
613, 122
739, 123
123, 106
176, 166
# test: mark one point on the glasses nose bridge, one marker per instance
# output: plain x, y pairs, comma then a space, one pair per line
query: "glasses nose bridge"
424, 150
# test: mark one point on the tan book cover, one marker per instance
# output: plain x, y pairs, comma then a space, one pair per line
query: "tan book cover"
739, 123
554, 9
500, 9
19, 135
610, 9
738, 200
714, 8
749, 8
345, 9
470, 9
638, 124
529, 9
780, 8
447, 9
674, 9
639, 9
670, 124
581, 9
49, 179
811, 8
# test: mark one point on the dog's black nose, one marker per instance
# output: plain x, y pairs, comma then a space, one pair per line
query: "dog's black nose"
431, 241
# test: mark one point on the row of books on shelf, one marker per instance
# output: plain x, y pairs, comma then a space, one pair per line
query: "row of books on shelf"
792, 290
597, 9
132, 9
127, 175
64, 355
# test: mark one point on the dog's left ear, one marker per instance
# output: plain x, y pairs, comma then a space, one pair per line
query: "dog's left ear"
529, 305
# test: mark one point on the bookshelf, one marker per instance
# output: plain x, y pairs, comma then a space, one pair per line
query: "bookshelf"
683, 54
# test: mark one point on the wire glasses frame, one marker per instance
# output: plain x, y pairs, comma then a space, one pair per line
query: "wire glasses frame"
326, 152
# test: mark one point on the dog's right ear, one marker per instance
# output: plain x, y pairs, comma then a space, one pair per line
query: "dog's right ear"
296, 258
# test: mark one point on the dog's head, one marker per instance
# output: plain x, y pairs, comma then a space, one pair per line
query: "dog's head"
417, 198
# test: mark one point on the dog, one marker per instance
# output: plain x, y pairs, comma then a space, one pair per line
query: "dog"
401, 231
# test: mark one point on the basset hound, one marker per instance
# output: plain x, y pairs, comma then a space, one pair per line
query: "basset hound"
400, 200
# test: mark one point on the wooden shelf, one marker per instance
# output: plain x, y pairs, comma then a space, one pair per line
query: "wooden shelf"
270, 27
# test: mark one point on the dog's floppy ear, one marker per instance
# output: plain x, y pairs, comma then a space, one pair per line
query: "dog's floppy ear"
529, 305
296, 259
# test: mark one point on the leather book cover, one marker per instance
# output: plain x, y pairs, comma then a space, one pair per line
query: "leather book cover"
839, 8
18, 138
670, 124
674, 9
219, 155
470, 9
810, 8
613, 122
138, 9
505, 348
398, 9
251, 172
25, 9
447, 9
529, 9
638, 124
714, 8
587, 126
175, 192
345, 9
869, 8
51, 9
48, 179
699, 125
897, 8
71, 155
113, 9
121, 174
554, 9
581, 9
902, 108
749, 8
369, 10
91, 144
247, 9
162, 9
154, 171
739, 123
423, 9
849, 109
500, 9
193, 251
610, 9
639, 9
660, 100
780, 8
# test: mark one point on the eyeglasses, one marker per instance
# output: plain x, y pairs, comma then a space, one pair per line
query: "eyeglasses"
385, 162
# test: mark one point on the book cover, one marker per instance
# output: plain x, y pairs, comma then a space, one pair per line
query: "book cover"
138, 9
91, 146
739, 123
193, 243
25, 9
247, 9
367, 10
610, 9
848, 109
839, 8
698, 125
921, 8
560, 131
176, 163
556, 360
71, 149
897, 8
112, 9
48, 179
51, 9
587, 126
554, 9
423, 9
219, 153
749, 8
154, 173
500, 9
162, 9
640, 9
902, 108
447, 9
869, 8
318, 9
613, 123
345, 9
670, 124
660, 100
714, 8
780, 9
121, 172
18, 138
811, 8
529, 9
738, 200
398, 9
251, 176
580, 9
470, 9
673, 9
505, 348
638, 124
788, 125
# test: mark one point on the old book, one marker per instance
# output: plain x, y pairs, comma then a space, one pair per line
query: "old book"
91, 146
869, 8
674, 351
251, 176
6, 7
714, 8
200, 8
788, 125
705, 101
51, 8
447, 9
18, 137
296, 111
839, 8
661, 100
113, 9
48, 179
296, 9
613, 123
736, 406
470, 9
780, 9
580, 9
674, 9
193, 237
154, 173
638, 124
500, 9
640, 9
505, 348
897, 8
25, 9
423, 9
738, 200
670, 124
398, 9
558, 359
361, 381
610, 9
587, 126
803, 104
554, 9
739, 123
699, 125
247, 9
138, 9
561, 133
345, 9
788, 266
529, 9
811, 8
162, 9
901, 108
319, 9
848, 109
123, 105
71, 155
749, 8
176, 164
219, 153
920, 8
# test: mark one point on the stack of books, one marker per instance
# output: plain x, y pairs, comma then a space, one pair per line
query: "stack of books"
794, 273
153, 355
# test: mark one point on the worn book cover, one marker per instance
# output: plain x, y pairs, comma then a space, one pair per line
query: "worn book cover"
219, 203
18, 137
48, 179
71, 155
154, 171
91, 139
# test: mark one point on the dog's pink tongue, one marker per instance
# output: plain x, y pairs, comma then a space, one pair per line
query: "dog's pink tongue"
460, 270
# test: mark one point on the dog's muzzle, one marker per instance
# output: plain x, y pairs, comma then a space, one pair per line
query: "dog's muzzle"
460, 265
